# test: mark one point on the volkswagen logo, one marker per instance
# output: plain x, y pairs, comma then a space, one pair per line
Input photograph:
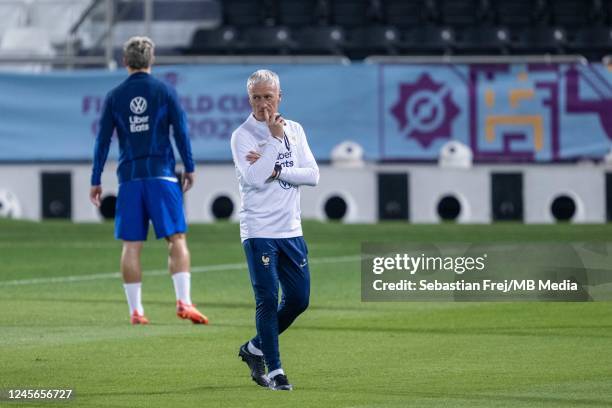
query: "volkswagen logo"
138, 105
285, 185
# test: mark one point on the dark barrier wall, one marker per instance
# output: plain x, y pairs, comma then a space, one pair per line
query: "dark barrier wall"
393, 196
507, 196
56, 195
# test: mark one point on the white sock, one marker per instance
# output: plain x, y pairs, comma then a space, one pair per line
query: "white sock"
276, 372
182, 286
133, 294
254, 350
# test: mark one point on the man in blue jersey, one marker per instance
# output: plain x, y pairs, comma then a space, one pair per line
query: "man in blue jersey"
273, 160
141, 110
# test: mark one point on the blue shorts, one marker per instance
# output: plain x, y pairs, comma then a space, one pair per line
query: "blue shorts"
156, 200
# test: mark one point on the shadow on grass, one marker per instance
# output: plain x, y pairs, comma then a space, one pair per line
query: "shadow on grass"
136, 393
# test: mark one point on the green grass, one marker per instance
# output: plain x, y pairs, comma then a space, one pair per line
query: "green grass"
340, 353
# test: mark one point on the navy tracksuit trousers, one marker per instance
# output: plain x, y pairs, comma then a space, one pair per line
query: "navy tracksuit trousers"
272, 262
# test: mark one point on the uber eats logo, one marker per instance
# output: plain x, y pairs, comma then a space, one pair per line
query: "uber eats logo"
138, 123
285, 160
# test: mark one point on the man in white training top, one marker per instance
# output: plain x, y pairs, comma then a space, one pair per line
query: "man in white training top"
272, 161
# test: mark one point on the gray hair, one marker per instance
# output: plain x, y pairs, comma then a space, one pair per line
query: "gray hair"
263, 76
138, 52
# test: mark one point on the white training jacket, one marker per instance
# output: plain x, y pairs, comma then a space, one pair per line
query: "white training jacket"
271, 208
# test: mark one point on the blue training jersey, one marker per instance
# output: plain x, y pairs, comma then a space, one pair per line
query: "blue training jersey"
142, 109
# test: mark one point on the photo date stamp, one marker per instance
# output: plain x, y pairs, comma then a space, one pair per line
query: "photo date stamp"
35, 394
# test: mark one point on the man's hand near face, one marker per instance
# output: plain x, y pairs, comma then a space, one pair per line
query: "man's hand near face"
275, 123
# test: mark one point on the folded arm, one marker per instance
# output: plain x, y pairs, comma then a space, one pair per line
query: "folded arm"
308, 172
258, 172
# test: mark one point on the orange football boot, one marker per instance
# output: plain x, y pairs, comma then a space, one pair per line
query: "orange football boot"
138, 318
185, 311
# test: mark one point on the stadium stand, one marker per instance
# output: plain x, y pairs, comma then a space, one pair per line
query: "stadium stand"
173, 26
428, 40
321, 40
461, 13
407, 14
411, 27
12, 14
244, 13
268, 40
220, 41
483, 41
573, 13
592, 42
53, 18
517, 13
372, 40
539, 40
350, 13
300, 13
353, 28
26, 42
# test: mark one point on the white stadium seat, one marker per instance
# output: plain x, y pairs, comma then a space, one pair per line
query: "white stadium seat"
26, 42
12, 14
56, 16
174, 22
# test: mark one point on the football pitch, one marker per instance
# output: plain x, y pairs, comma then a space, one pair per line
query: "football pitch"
64, 325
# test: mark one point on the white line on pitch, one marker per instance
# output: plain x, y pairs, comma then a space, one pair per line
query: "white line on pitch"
159, 272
